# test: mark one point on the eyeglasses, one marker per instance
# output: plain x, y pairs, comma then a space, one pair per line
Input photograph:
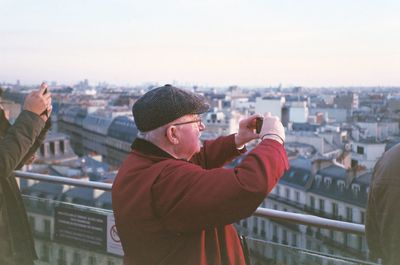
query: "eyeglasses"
198, 121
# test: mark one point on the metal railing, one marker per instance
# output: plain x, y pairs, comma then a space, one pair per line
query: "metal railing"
297, 218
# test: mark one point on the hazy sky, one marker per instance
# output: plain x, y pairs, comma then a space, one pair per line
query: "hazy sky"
220, 42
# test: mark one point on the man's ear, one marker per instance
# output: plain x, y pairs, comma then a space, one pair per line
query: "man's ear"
171, 135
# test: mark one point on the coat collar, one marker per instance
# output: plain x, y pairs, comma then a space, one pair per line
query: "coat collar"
148, 148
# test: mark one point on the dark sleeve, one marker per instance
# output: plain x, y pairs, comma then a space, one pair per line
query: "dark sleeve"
38, 142
187, 197
218, 152
383, 210
18, 140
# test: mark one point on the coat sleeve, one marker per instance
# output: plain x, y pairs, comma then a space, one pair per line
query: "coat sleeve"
38, 142
18, 139
188, 197
218, 152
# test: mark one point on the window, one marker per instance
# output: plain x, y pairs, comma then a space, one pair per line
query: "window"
321, 205
284, 237
297, 195
335, 210
360, 150
287, 193
62, 147
294, 240
362, 216
52, 148
263, 228
341, 185
349, 214
359, 243
278, 189
47, 227
92, 260
275, 233
312, 202
77, 259
356, 189
327, 182
255, 225
61, 257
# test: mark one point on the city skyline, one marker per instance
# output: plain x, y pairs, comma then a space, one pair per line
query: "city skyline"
262, 43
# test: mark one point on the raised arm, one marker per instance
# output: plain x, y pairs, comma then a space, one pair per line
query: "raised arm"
188, 197
21, 136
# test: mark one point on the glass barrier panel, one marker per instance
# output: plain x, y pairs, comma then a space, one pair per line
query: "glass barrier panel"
73, 234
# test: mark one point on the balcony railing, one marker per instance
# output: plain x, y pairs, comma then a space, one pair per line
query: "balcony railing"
260, 250
261, 212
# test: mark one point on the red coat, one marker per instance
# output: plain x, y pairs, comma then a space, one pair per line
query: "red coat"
171, 211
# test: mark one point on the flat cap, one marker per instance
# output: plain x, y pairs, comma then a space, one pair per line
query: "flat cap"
164, 104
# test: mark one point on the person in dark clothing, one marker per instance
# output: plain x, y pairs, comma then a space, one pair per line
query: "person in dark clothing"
383, 218
174, 202
18, 143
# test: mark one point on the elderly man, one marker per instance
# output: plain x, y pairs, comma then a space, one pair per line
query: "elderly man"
173, 201
17, 144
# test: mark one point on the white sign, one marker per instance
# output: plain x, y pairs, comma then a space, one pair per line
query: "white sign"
113, 241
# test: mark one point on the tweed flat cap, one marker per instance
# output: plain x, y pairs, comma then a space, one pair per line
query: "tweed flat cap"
165, 104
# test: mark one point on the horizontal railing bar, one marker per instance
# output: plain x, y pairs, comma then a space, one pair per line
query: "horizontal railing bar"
313, 220
297, 218
64, 180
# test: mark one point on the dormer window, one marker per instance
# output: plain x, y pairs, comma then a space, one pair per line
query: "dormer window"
327, 181
341, 185
356, 189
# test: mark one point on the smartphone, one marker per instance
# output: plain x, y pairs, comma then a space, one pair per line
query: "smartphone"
44, 93
259, 123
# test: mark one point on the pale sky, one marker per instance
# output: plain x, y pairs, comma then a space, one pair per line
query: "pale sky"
204, 42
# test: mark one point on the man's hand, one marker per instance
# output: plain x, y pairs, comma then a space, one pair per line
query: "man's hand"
246, 131
37, 103
272, 129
